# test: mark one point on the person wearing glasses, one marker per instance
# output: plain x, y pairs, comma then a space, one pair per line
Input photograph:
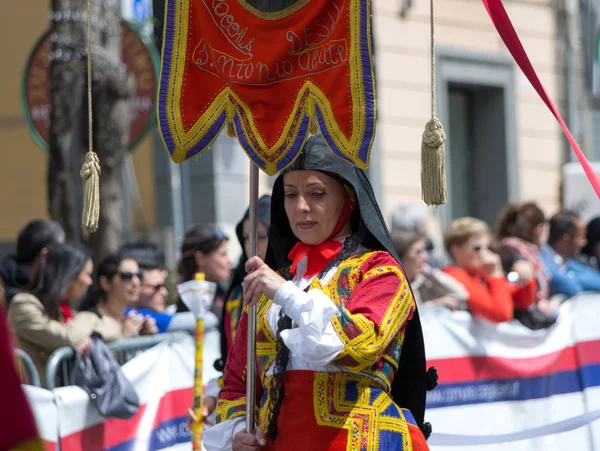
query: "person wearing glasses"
479, 270
117, 287
153, 288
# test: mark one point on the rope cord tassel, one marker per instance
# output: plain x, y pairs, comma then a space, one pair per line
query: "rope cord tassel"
433, 172
90, 171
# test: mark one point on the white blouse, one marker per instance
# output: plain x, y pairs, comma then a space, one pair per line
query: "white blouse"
313, 344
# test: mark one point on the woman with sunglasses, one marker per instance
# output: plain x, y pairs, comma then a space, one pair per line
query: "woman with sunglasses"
117, 287
340, 353
153, 289
479, 270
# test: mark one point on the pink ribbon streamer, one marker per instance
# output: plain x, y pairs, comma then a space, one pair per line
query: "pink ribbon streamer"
507, 32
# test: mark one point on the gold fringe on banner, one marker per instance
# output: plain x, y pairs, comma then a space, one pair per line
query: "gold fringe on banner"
311, 112
230, 124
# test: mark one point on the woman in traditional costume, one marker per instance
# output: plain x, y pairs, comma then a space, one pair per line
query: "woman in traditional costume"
234, 303
340, 354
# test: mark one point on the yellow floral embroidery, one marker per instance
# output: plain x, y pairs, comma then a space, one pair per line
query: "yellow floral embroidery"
363, 414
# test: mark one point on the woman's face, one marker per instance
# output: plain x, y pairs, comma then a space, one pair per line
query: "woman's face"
124, 287
472, 254
216, 265
414, 260
262, 238
79, 286
313, 203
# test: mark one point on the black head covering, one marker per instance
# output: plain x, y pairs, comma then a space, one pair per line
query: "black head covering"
264, 216
411, 381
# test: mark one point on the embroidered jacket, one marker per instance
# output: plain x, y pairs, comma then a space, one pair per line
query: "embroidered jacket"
372, 303
233, 313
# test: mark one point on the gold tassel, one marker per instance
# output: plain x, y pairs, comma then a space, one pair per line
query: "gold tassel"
311, 112
230, 124
231, 129
433, 173
90, 173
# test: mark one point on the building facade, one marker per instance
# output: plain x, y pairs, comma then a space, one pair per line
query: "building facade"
503, 144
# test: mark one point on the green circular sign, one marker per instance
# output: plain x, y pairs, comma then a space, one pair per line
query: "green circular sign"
139, 56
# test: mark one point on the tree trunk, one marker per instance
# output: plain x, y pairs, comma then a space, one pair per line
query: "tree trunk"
67, 85
111, 90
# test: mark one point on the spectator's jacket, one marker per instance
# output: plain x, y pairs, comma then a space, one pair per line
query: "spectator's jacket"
494, 298
16, 278
569, 278
39, 335
162, 319
434, 284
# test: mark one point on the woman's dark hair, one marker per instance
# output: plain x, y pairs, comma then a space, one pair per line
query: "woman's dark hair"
562, 223
107, 268
148, 255
201, 237
593, 237
520, 220
61, 267
35, 236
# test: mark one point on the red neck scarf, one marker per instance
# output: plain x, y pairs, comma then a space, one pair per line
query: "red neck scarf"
319, 256
66, 311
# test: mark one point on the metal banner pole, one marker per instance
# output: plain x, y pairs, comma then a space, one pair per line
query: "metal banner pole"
251, 339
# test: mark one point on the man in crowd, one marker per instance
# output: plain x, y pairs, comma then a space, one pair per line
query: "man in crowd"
565, 241
153, 290
20, 270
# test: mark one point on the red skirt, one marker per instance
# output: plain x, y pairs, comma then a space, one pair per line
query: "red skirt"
342, 412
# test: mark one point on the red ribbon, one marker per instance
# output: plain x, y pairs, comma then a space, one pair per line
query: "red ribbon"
321, 254
507, 32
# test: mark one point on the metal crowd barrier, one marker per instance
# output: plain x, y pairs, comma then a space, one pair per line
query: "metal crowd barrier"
33, 377
59, 370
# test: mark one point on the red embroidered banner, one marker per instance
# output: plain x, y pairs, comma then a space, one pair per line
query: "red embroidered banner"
268, 75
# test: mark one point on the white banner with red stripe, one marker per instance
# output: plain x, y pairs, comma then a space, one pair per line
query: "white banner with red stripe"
163, 379
45, 414
505, 380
